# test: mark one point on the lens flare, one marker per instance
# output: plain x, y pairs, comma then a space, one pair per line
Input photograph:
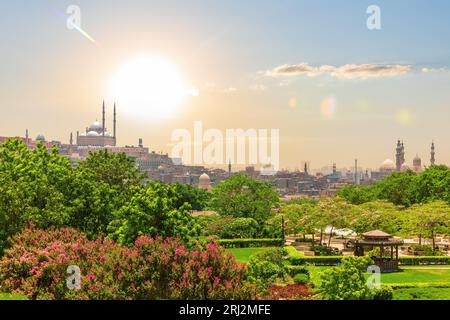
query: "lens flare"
328, 107
404, 117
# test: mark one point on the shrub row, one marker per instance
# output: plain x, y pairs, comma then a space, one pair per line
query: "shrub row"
152, 268
294, 270
333, 260
245, 243
416, 260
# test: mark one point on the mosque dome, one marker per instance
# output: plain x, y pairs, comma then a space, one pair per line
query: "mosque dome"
204, 182
92, 134
40, 138
387, 164
95, 126
204, 178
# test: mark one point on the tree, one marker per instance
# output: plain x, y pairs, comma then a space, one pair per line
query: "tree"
346, 282
433, 184
376, 215
152, 211
428, 220
241, 196
334, 212
33, 184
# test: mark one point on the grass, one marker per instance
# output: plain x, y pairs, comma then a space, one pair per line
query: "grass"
8, 296
422, 294
244, 254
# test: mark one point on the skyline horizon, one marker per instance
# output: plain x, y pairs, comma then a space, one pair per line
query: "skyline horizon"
341, 92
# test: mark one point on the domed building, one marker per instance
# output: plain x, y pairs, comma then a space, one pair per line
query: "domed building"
40, 138
97, 135
204, 182
404, 167
387, 166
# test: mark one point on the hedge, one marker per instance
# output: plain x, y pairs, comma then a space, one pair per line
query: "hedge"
293, 270
245, 243
334, 260
417, 260
315, 260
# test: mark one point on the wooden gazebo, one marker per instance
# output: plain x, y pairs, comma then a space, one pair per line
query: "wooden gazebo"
380, 239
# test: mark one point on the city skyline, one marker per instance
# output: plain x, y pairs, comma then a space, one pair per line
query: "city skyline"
339, 93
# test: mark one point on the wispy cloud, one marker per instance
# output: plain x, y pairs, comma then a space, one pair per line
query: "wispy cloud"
348, 71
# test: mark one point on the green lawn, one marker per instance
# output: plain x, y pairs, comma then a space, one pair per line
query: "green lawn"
243, 254
7, 296
422, 294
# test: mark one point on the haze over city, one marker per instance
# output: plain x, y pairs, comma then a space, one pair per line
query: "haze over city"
338, 93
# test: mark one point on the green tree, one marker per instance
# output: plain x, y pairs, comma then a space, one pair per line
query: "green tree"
346, 282
241, 196
152, 211
376, 215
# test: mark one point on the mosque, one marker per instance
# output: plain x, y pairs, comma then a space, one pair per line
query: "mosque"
388, 166
96, 134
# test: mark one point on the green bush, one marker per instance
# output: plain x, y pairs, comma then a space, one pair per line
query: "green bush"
245, 243
240, 228
294, 270
325, 251
346, 282
301, 278
266, 267
383, 293
292, 252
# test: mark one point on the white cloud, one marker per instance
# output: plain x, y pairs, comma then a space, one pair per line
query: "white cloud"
348, 71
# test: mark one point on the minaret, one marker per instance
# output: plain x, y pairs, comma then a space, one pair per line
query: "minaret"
229, 168
398, 156
103, 119
432, 160
356, 172
114, 122
306, 168
71, 139
26, 137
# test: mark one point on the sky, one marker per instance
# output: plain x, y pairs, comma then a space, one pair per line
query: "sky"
335, 89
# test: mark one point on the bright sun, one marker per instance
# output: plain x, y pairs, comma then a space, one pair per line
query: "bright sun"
148, 87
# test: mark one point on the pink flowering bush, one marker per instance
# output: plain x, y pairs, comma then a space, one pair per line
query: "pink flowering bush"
153, 268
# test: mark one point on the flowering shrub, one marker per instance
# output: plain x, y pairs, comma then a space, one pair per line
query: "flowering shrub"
153, 268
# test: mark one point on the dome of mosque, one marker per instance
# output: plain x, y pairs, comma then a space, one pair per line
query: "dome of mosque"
92, 134
387, 164
95, 126
204, 178
40, 138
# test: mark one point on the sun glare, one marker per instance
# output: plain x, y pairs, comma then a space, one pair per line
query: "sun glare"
148, 87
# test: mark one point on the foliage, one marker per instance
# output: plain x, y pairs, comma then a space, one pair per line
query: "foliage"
152, 211
383, 293
240, 228
289, 292
245, 243
316, 260
242, 196
293, 252
153, 268
301, 278
404, 188
423, 260
266, 267
346, 282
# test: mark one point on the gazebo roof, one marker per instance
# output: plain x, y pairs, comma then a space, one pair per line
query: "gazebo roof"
376, 234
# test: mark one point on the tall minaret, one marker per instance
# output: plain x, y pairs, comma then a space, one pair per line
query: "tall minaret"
432, 160
114, 122
229, 168
356, 172
103, 119
26, 137
71, 139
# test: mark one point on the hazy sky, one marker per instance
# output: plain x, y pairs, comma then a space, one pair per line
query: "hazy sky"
334, 88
